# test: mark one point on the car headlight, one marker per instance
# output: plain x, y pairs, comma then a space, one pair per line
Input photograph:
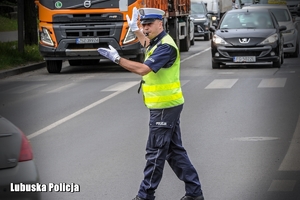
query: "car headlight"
271, 39
130, 36
214, 18
200, 19
45, 37
218, 40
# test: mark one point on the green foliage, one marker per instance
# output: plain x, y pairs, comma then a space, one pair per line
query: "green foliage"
8, 24
10, 57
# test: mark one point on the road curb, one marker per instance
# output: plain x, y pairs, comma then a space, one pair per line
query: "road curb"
20, 70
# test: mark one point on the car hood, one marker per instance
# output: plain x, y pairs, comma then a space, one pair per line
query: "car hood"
198, 16
233, 36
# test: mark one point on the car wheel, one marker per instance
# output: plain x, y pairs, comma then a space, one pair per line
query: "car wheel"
296, 53
215, 65
277, 64
193, 41
54, 66
207, 37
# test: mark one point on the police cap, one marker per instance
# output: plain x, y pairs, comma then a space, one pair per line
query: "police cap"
149, 15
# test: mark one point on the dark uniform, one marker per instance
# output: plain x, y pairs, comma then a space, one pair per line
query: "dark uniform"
164, 141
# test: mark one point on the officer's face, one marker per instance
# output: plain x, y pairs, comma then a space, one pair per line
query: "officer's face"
153, 29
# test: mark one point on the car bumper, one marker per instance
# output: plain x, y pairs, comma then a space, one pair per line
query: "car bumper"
262, 55
200, 29
26, 173
290, 41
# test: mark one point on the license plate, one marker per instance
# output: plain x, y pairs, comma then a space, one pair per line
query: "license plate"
87, 40
244, 59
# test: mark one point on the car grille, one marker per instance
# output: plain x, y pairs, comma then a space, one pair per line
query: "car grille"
249, 51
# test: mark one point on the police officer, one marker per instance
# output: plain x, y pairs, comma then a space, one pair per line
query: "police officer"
163, 96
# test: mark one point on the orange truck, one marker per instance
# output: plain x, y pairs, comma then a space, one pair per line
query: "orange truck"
73, 30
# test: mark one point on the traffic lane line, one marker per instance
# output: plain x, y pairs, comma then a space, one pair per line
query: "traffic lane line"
119, 88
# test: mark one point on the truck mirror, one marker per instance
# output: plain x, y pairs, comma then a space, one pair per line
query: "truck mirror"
123, 5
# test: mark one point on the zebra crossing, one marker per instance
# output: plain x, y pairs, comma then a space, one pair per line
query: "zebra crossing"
222, 83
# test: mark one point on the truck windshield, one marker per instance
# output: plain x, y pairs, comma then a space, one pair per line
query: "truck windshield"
197, 8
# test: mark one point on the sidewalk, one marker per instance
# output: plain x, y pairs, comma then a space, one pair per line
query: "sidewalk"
8, 36
13, 36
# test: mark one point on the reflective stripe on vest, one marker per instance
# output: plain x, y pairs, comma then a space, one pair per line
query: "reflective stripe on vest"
162, 89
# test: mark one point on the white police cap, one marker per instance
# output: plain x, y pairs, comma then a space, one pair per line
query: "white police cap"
149, 15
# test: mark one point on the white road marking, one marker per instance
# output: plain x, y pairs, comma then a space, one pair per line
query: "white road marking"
121, 86
62, 88
119, 89
291, 161
226, 72
221, 84
272, 83
282, 186
254, 139
196, 54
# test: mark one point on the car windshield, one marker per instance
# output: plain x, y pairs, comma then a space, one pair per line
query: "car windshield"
247, 1
282, 15
197, 8
246, 20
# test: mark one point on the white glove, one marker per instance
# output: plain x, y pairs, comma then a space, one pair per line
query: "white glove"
110, 53
133, 22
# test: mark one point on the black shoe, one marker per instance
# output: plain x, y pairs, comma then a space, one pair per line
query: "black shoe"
192, 198
138, 198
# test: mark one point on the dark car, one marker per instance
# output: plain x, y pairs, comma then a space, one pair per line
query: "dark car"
19, 178
202, 19
241, 38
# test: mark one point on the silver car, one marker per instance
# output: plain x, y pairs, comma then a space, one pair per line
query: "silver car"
19, 178
284, 18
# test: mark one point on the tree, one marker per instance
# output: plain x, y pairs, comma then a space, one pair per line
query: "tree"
30, 23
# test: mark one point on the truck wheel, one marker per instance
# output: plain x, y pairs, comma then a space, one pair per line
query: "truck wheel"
185, 44
215, 65
54, 66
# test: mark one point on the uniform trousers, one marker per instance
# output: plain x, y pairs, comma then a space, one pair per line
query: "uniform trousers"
164, 143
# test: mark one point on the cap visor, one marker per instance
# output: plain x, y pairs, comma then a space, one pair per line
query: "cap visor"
147, 21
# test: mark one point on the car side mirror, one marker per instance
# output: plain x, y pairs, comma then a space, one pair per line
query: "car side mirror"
282, 28
212, 29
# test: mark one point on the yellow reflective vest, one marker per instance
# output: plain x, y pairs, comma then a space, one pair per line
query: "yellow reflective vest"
162, 89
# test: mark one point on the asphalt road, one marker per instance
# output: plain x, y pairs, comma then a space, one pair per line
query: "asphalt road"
88, 126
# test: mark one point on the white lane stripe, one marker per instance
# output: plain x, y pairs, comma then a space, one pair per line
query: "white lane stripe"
272, 83
291, 161
59, 89
120, 86
55, 124
221, 83
196, 54
282, 186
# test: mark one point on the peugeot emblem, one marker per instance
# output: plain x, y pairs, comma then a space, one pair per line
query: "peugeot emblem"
87, 3
244, 40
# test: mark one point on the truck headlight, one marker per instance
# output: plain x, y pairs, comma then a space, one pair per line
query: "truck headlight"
45, 37
130, 36
218, 40
271, 39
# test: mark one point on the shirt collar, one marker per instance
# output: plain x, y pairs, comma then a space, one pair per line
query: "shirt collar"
155, 40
